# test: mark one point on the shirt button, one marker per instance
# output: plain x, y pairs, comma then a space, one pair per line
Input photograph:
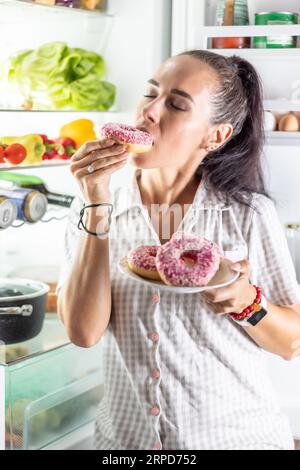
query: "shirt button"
155, 374
155, 411
155, 298
154, 337
157, 445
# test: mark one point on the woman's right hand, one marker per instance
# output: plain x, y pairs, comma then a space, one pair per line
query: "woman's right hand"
106, 157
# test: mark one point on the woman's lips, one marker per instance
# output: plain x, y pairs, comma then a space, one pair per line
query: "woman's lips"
144, 129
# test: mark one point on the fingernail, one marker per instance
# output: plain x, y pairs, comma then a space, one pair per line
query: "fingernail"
110, 142
236, 267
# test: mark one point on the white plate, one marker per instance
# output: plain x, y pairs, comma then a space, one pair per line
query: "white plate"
223, 277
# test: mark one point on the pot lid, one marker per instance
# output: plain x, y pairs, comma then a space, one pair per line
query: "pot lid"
21, 289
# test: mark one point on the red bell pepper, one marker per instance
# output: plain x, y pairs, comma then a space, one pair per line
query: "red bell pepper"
68, 145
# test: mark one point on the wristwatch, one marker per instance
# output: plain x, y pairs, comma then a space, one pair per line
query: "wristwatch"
255, 317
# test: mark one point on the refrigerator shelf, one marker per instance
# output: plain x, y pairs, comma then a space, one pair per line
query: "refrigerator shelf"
47, 164
291, 139
58, 9
204, 33
63, 111
253, 54
282, 105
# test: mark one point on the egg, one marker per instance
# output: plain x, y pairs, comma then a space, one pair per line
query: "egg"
270, 122
288, 123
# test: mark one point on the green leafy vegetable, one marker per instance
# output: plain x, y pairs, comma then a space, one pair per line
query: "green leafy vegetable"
57, 76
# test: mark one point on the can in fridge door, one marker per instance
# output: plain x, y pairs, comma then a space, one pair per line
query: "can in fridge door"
8, 212
275, 18
31, 205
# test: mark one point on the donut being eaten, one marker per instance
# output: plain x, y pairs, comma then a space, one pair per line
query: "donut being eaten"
136, 140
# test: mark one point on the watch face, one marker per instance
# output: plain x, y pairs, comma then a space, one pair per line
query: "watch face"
257, 317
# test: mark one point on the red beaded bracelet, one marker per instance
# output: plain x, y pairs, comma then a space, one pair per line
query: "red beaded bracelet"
255, 307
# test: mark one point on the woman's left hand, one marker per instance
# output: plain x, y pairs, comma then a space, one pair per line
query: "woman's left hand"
234, 298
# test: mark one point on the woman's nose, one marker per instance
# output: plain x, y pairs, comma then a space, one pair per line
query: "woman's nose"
151, 112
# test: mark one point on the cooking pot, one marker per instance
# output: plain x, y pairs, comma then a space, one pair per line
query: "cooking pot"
22, 309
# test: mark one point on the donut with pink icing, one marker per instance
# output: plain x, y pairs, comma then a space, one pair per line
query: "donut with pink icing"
141, 261
137, 140
188, 261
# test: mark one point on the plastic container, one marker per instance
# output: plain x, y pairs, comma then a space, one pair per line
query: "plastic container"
272, 18
231, 13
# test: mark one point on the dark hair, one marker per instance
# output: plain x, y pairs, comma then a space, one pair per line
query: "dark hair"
234, 170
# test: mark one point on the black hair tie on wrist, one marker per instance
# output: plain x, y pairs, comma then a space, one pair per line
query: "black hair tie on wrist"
81, 224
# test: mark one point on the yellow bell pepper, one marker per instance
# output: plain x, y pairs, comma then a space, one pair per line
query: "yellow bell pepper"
80, 131
33, 144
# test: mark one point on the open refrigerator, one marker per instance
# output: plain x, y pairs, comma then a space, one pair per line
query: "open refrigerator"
51, 379
134, 37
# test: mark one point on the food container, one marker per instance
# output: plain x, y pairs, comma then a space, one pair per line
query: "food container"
22, 309
231, 13
273, 18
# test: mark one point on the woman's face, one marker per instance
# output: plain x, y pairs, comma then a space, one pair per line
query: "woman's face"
176, 111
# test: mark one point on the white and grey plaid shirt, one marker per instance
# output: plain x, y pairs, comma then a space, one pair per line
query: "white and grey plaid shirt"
176, 375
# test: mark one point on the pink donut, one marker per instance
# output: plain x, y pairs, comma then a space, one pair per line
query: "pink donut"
137, 140
187, 260
141, 260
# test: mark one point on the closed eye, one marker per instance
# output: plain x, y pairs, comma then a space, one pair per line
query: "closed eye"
171, 104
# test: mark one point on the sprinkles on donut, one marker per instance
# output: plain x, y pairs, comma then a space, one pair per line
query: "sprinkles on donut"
137, 140
186, 261
141, 260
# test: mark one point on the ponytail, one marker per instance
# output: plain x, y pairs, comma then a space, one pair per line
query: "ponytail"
234, 170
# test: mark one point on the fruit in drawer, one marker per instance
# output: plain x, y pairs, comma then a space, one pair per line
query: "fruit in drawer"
33, 144
15, 352
16, 415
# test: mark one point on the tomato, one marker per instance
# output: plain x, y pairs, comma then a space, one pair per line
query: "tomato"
2, 155
15, 154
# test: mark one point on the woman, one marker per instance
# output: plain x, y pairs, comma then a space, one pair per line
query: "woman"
179, 371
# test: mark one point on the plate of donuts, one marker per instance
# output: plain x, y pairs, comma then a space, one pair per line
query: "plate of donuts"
223, 277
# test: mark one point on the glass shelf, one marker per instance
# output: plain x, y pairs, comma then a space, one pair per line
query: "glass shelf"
291, 139
52, 336
57, 9
253, 53
47, 164
111, 112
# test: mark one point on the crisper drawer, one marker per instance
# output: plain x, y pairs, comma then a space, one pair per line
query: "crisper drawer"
51, 397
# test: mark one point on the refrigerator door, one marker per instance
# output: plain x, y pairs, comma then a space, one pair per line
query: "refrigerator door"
2, 408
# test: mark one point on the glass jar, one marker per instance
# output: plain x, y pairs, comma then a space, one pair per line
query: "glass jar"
232, 13
292, 231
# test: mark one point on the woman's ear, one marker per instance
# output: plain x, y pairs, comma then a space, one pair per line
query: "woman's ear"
219, 136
